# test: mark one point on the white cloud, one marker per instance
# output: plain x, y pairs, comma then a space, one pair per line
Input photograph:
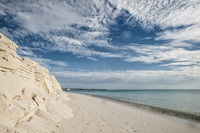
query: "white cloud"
179, 64
191, 71
52, 20
94, 59
51, 65
178, 44
157, 54
161, 12
62, 39
25, 52
182, 13
2, 6
181, 79
78, 47
46, 17
191, 33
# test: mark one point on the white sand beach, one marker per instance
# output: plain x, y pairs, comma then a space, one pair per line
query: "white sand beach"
95, 115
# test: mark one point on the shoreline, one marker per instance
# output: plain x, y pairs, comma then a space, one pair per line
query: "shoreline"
100, 115
159, 110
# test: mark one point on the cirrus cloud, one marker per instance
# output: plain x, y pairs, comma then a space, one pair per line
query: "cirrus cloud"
165, 33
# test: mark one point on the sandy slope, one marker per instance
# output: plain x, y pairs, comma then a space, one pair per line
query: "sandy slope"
30, 98
94, 115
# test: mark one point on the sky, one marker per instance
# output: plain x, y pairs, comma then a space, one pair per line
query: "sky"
109, 44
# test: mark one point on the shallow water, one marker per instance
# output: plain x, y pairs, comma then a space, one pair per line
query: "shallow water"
186, 101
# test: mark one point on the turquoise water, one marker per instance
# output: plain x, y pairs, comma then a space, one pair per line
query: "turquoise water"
186, 101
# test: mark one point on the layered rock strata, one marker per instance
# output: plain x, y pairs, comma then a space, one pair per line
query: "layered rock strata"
28, 93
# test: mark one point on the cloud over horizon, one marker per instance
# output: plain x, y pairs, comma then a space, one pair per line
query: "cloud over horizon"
130, 79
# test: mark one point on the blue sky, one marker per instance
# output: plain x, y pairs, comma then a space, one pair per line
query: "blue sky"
112, 44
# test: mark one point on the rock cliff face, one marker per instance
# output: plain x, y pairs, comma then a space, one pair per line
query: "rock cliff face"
28, 93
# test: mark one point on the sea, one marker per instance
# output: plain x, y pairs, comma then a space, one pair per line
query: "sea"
179, 100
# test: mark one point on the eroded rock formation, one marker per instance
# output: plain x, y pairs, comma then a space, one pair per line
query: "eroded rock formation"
27, 90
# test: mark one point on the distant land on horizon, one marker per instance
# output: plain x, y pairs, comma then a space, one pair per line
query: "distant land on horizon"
65, 89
